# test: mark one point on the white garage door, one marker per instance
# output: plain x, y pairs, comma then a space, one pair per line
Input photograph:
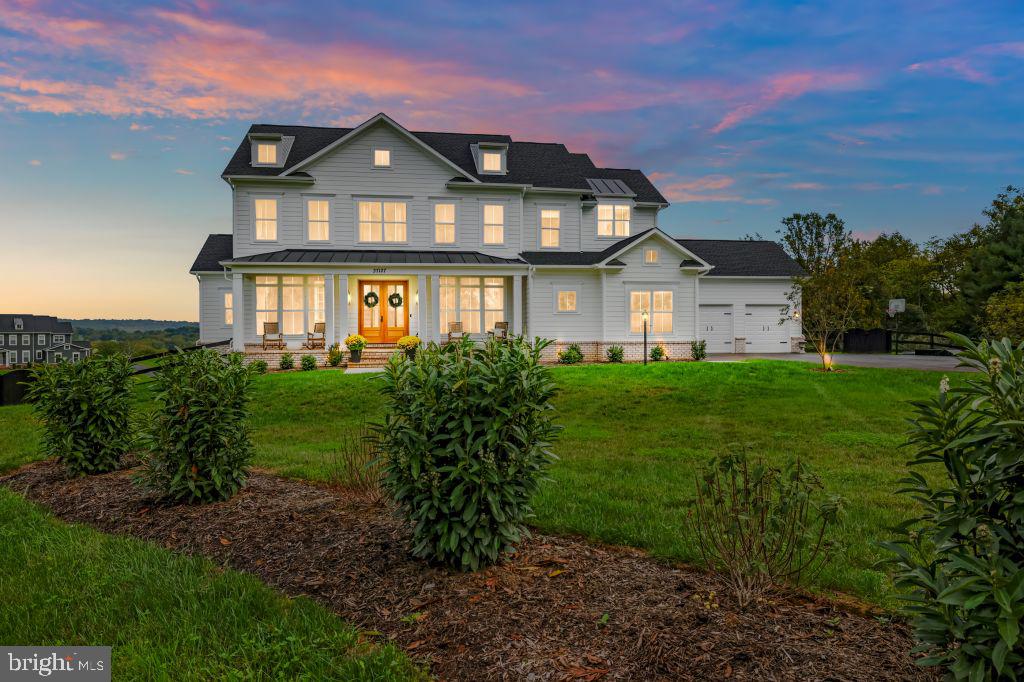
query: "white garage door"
716, 327
764, 333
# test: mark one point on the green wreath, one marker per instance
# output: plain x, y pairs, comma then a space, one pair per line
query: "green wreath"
371, 299
395, 300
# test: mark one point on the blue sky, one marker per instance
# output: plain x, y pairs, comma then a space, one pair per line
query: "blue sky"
118, 116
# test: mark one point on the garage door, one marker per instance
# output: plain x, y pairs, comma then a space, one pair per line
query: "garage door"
764, 333
716, 327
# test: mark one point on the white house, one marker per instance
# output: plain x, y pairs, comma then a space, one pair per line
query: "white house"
445, 227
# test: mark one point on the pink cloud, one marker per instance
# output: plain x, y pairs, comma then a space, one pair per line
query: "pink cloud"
805, 185
957, 66
183, 171
974, 65
710, 188
118, 156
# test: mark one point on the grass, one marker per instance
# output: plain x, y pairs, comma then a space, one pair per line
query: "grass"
166, 616
634, 437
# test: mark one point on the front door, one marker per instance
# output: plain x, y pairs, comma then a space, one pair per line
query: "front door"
383, 323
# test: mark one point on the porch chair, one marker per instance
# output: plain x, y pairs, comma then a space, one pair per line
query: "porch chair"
318, 337
500, 331
455, 331
272, 336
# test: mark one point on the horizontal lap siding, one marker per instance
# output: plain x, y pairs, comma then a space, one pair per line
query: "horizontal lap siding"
569, 229
584, 325
211, 308
742, 292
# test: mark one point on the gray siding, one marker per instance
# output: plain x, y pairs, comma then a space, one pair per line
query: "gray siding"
544, 321
211, 308
742, 291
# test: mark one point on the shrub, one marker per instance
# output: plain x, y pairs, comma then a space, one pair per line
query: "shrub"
699, 350
308, 363
258, 366
334, 356
466, 437
355, 342
287, 361
199, 447
961, 562
85, 408
355, 466
760, 525
658, 353
615, 353
570, 355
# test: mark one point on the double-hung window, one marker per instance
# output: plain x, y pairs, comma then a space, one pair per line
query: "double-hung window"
40, 339
613, 220
494, 223
550, 226
292, 304
444, 223
317, 304
26, 339
318, 220
382, 221
229, 308
58, 338
657, 305
12, 339
266, 301
478, 302
266, 219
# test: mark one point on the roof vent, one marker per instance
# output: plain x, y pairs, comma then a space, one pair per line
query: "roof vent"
610, 187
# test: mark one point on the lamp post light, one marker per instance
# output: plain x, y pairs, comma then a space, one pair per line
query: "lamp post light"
644, 316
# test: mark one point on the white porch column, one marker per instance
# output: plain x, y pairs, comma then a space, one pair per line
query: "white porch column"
329, 308
343, 306
237, 313
517, 305
421, 301
435, 307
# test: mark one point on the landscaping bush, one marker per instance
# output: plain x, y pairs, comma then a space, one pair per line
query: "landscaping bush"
355, 466
615, 353
85, 408
334, 356
287, 361
199, 446
258, 366
658, 353
699, 350
308, 363
761, 525
570, 355
961, 561
466, 437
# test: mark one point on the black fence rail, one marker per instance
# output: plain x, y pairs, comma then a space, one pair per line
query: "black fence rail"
923, 343
146, 369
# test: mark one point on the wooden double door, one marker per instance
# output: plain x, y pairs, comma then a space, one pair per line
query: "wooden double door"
383, 323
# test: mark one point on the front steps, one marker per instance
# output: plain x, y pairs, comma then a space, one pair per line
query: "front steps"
374, 355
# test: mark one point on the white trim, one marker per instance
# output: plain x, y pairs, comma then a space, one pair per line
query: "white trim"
597, 218
434, 202
557, 289
312, 196
357, 199
279, 198
505, 204
540, 227
373, 158
644, 236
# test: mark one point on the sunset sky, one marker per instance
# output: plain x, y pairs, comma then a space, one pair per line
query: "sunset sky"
119, 117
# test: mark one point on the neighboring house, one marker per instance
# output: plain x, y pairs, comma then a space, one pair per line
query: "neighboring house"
26, 339
477, 229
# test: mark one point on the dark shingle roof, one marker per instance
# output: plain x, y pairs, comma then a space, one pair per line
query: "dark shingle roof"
743, 257
218, 247
35, 324
541, 164
349, 256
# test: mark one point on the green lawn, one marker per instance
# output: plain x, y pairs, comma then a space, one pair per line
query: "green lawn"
166, 616
634, 436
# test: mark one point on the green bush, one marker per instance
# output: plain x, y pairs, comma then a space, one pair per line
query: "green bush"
287, 361
258, 366
571, 355
466, 438
199, 447
615, 353
85, 408
699, 350
961, 562
658, 353
308, 363
334, 356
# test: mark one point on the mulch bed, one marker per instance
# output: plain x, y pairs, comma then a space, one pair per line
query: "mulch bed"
560, 609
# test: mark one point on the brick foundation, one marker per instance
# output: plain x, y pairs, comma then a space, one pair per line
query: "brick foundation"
796, 344
632, 351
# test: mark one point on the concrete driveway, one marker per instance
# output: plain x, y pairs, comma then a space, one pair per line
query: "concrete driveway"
936, 363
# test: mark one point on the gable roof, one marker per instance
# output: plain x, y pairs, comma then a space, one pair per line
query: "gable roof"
216, 248
744, 257
540, 164
35, 324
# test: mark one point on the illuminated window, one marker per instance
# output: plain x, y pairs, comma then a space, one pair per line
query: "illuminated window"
266, 301
658, 305
613, 220
550, 222
266, 153
478, 302
444, 223
266, 219
229, 311
318, 220
491, 162
567, 301
382, 158
292, 305
650, 256
382, 221
317, 304
494, 224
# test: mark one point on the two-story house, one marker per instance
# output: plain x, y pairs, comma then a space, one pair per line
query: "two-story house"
28, 339
382, 231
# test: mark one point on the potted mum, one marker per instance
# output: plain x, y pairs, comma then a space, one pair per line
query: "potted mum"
409, 344
356, 343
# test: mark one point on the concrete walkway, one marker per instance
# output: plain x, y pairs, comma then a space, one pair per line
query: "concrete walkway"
937, 363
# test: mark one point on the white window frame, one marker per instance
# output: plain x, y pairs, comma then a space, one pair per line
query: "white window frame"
300, 311
58, 338
308, 310
541, 229
650, 289
39, 355
484, 224
12, 339
455, 221
26, 339
315, 313
457, 313
58, 356
406, 201
26, 357
373, 158
651, 250
228, 297
279, 198
486, 154
75, 357
262, 144
306, 198
40, 339
615, 220
558, 290
276, 310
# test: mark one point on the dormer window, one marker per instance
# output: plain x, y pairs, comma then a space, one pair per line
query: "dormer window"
491, 158
270, 149
382, 158
492, 162
19, 324
266, 153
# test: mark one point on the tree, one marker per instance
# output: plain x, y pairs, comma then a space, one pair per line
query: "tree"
814, 241
1004, 313
999, 259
